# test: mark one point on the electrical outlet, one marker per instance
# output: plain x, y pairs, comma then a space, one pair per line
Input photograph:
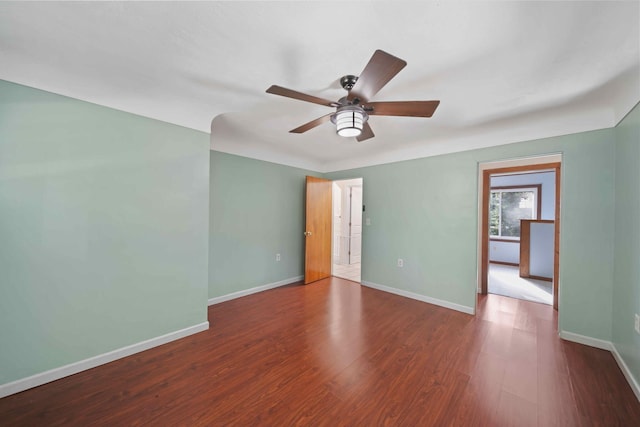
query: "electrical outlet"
400, 262
277, 257
637, 324
367, 221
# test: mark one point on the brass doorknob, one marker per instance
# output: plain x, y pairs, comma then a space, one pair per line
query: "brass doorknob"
307, 233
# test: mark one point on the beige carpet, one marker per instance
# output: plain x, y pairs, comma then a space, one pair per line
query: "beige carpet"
505, 280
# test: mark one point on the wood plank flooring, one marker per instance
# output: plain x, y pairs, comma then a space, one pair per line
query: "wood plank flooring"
334, 353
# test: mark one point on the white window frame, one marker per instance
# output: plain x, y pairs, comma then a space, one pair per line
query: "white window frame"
534, 208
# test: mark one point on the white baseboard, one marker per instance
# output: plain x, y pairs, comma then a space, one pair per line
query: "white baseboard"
606, 345
423, 298
626, 372
244, 293
101, 359
582, 339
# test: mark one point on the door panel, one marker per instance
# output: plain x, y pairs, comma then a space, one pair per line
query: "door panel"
356, 225
317, 258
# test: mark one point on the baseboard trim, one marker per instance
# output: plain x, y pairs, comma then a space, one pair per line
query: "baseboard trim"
626, 372
583, 339
513, 264
101, 359
546, 279
244, 293
606, 345
423, 298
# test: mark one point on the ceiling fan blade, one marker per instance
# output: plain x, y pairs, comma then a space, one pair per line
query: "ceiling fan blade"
313, 123
381, 68
283, 91
366, 133
402, 108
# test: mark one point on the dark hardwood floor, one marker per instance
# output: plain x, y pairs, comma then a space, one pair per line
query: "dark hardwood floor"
335, 353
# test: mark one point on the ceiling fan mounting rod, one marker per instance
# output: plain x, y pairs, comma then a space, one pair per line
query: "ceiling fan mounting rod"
347, 82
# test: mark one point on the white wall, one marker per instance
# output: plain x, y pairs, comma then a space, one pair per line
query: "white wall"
541, 249
504, 252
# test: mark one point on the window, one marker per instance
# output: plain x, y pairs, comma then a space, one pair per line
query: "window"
508, 205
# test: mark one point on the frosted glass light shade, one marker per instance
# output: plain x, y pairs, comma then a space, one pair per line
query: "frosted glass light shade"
349, 122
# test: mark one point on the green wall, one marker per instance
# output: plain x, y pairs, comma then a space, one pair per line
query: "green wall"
257, 211
425, 211
107, 239
626, 291
103, 230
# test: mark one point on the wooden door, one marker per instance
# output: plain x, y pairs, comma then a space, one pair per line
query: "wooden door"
317, 257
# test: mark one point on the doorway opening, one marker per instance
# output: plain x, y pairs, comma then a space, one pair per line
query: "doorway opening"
521, 222
346, 239
519, 229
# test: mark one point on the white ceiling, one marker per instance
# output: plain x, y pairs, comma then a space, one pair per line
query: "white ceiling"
504, 71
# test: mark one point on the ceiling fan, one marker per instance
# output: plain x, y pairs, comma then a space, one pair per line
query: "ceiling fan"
353, 111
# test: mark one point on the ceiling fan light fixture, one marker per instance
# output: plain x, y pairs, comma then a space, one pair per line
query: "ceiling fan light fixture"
350, 120
352, 111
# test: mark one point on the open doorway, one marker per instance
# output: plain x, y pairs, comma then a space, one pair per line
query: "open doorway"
521, 224
347, 229
519, 228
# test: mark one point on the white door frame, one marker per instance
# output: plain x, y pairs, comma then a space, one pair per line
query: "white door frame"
361, 183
